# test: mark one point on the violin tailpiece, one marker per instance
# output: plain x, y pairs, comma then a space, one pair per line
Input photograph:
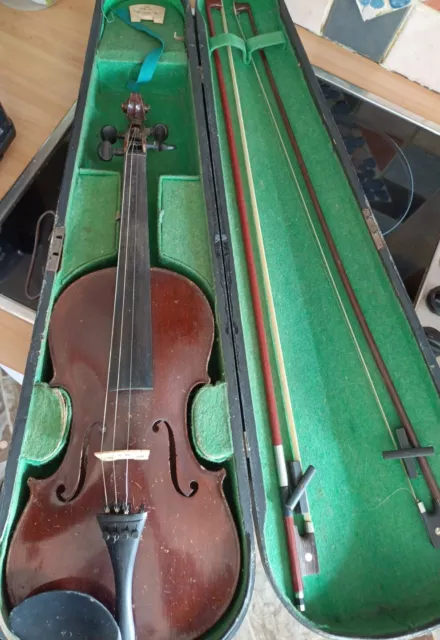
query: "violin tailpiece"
122, 534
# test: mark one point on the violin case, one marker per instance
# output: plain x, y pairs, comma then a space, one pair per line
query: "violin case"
379, 575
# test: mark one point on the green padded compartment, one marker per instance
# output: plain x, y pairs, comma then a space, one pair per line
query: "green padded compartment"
179, 245
379, 573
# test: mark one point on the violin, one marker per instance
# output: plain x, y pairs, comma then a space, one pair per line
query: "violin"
131, 517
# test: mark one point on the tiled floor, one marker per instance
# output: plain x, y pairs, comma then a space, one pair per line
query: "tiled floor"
267, 619
9, 395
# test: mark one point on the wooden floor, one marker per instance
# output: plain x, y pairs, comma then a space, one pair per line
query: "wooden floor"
41, 61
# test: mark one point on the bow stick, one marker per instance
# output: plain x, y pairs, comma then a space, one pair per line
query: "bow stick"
431, 520
277, 440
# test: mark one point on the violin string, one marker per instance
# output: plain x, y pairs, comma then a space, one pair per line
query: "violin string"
132, 334
328, 269
129, 151
104, 429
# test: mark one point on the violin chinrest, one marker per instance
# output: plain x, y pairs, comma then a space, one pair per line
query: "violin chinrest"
54, 615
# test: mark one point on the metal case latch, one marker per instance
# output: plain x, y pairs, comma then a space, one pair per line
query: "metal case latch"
56, 248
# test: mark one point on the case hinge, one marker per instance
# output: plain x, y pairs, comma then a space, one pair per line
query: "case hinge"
373, 228
55, 251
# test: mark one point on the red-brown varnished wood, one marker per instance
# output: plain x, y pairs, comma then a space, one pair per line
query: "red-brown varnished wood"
188, 560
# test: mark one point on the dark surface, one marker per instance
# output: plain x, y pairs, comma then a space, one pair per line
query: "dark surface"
7, 131
56, 615
17, 232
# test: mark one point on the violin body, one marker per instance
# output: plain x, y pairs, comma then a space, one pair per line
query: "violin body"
188, 560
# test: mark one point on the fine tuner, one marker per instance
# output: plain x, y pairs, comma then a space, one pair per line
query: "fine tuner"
110, 135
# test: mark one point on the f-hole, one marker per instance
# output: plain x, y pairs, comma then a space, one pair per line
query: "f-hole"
82, 469
193, 485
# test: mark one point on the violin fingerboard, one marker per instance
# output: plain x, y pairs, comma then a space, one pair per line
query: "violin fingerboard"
131, 365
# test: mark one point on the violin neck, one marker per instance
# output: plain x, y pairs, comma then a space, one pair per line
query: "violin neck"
131, 352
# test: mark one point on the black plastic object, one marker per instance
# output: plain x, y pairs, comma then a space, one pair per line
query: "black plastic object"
56, 615
301, 487
433, 300
105, 150
160, 132
413, 452
433, 336
7, 131
110, 133
432, 522
122, 533
404, 443
295, 474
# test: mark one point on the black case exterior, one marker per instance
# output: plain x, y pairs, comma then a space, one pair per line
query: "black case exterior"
249, 474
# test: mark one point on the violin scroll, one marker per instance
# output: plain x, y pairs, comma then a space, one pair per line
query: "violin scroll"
136, 136
135, 109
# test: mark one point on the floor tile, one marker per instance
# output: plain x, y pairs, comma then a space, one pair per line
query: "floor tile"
9, 396
416, 52
311, 15
267, 618
372, 38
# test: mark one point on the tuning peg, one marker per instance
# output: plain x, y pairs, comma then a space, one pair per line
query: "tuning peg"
105, 150
160, 132
109, 134
433, 300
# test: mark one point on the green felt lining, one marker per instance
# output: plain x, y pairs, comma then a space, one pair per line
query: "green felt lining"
181, 198
91, 241
49, 414
210, 423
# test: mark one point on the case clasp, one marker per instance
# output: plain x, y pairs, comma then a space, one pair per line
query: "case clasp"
56, 248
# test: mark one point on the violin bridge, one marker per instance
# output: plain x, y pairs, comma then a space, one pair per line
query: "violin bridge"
123, 454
